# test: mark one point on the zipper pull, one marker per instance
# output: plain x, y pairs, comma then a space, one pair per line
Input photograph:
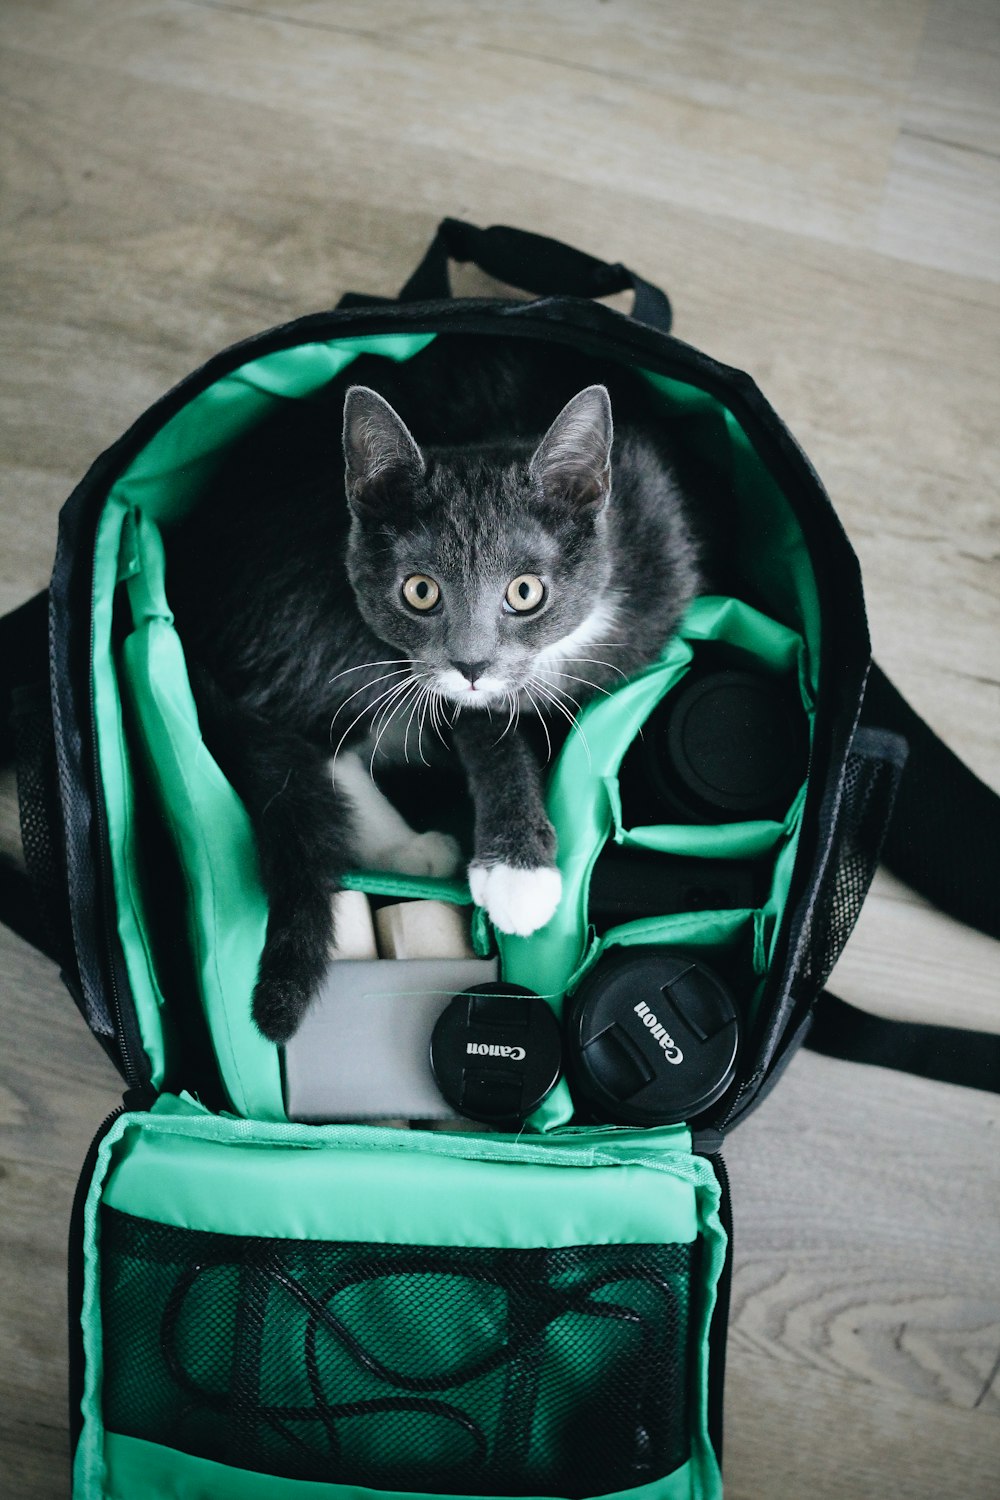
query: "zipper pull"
142, 1097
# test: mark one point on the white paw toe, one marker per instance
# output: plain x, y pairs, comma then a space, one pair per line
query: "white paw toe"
517, 901
478, 877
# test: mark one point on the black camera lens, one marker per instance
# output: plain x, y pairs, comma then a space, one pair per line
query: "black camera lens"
628, 884
652, 1037
496, 1052
726, 745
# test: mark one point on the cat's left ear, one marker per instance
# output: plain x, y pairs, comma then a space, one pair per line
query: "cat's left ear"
382, 461
573, 461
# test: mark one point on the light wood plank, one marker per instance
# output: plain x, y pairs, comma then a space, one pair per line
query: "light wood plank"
783, 114
942, 200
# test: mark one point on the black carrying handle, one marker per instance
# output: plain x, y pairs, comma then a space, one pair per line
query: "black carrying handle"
534, 263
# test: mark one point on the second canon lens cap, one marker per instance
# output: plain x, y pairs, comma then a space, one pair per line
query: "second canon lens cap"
653, 1037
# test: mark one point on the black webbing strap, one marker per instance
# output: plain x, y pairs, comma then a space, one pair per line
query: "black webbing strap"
24, 658
944, 842
19, 909
944, 837
947, 1054
534, 263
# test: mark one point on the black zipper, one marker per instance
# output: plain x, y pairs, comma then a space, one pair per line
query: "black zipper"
74, 1270
719, 1327
129, 1041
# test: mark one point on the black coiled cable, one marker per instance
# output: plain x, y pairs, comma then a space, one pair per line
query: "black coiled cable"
540, 1304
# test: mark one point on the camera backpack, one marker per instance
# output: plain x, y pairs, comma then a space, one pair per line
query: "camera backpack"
262, 1307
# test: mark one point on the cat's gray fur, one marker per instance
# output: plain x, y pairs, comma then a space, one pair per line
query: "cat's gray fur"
471, 470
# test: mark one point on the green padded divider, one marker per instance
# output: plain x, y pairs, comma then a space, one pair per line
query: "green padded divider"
417, 1187
699, 840
706, 932
419, 887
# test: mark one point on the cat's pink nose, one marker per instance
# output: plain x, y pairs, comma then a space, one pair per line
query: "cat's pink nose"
471, 669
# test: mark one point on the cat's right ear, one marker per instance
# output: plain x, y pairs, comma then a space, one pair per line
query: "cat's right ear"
382, 461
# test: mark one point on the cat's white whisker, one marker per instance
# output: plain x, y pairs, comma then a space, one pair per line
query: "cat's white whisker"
511, 699
387, 708
437, 712
569, 676
565, 713
408, 687
428, 690
364, 686
409, 723
391, 695
563, 693
541, 720
390, 661
596, 661
370, 708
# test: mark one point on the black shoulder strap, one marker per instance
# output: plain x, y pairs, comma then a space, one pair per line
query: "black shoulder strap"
24, 658
944, 842
947, 1054
944, 837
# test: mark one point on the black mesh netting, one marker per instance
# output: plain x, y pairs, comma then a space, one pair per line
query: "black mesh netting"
868, 792
398, 1366
31, 722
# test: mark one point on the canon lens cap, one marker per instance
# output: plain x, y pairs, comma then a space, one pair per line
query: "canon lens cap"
653, 1037
496, 1052
727, 745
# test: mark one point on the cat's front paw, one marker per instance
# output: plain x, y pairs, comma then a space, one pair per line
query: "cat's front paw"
516, 901
430, 853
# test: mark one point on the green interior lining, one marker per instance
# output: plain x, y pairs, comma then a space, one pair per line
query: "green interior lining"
227, 916
226, 910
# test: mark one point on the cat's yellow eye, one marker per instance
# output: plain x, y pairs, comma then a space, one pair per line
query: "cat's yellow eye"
525, 593
421, 592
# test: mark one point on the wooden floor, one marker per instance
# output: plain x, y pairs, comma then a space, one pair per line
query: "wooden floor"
817, 183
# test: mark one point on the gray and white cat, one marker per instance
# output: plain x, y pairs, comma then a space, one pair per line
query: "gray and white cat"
504, 544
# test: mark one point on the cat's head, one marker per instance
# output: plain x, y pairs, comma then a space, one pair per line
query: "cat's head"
485, 566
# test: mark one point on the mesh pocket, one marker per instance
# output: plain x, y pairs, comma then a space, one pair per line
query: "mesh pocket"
410, 1367
871, 776
38, 803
